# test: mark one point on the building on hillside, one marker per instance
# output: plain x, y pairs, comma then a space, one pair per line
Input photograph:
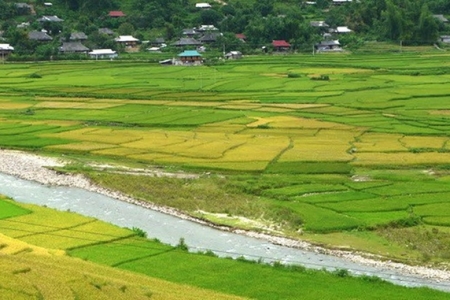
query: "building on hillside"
5, 50
127, 40
319, 24
73, 47
190, 57
49, 19
328, 45
281, 45
23, 8
105, 31
342, 29
189, 32
203, 5
103, 54
39, 36
186, 42
116, 14
444, 38
204, 28
78, 36
233, 55
210, 37
340, 2
441, 18
241, 37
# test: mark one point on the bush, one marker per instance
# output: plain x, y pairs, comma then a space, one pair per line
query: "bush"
182, 245
34, 75
293, 75
139, 232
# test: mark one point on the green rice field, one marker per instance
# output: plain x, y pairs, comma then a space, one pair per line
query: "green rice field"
113, 263
366, 151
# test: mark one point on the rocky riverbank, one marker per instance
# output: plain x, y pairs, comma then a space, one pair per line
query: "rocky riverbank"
37, 168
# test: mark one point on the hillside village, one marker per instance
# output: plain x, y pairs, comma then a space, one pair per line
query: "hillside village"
75, 30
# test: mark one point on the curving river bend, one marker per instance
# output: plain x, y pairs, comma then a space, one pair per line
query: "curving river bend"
169, 229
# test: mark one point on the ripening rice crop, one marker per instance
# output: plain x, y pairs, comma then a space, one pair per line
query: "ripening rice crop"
293, 122
82, 146
424, 141
402, 158
257, 148
317, 149
101, 136
6, 105
379, 142
158, 139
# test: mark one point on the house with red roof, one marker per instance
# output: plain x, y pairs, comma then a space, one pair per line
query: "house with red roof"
241, 36
116, 14
281, 45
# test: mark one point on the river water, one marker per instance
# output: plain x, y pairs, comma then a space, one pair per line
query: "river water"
169, 229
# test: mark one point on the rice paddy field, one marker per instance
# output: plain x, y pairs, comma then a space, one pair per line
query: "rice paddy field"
360, 160
49, 254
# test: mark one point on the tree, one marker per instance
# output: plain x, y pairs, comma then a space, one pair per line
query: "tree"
125, 29
393, 21
428, 27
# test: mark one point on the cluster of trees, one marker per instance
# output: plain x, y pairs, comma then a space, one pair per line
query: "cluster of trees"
262, 21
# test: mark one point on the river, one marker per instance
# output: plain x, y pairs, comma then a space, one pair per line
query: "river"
169, 229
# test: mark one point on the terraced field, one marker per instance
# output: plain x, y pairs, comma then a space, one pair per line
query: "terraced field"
130, 267
366, 150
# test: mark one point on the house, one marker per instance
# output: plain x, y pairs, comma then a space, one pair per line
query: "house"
39, 36
320, 24
73, 47
331, 45
233, 55
158, 42
5, 50
210, 37
78, 36
281, 45
204, 28
342, 29
127, 40
49, 19
444, 38
183, 42
106, 31
203, 5
23, 8
190, 32
241, 36
103, 53
441, 18
23, 25
340, 2
190, 57
48, 4
116, 14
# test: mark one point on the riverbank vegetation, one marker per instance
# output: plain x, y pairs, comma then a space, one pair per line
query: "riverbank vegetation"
41, 250
357, 161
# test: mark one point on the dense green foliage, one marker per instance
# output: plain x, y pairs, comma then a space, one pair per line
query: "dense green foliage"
406, 21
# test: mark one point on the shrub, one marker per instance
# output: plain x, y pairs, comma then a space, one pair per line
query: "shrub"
293, 75
182, 245
321, 77
139, 232
34, 75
